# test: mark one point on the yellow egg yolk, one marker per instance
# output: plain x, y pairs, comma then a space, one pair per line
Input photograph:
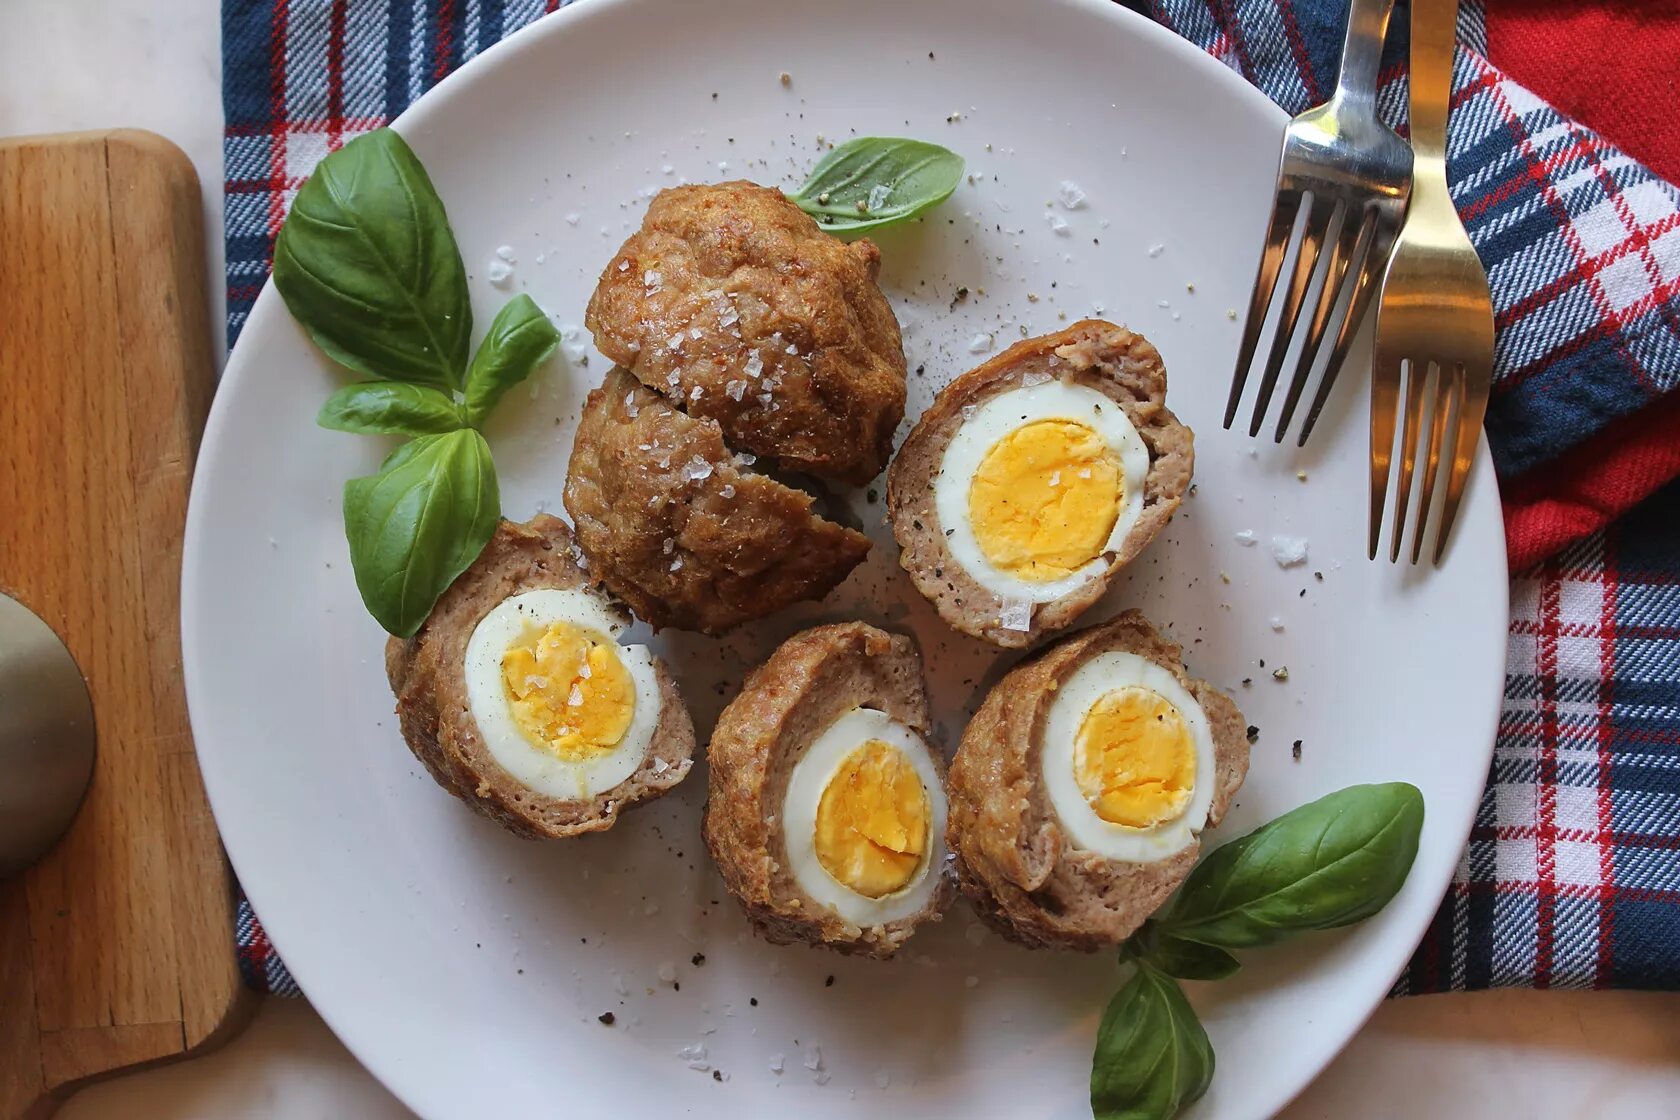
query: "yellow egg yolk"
1134, 759
1045, 499
872, 821
569, 691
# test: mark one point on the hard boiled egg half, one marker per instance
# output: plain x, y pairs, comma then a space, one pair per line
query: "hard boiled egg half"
1128, 759
864, 819
560, 704
1038, 487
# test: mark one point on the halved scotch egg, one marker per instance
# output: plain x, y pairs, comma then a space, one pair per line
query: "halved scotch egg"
519, 697
1082, 785
1032, 479
826, 810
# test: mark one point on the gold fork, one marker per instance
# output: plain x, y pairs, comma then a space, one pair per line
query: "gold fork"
1434, 313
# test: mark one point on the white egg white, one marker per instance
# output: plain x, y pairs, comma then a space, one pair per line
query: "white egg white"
811, 775
526, 616
1084, 828
997, 418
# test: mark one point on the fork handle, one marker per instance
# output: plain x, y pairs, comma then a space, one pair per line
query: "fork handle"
1362, 48
1434, 30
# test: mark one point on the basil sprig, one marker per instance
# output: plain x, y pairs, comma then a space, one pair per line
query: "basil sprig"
367, 263
1329, 863
1152, 1057
520, 338
390, 408
873, 181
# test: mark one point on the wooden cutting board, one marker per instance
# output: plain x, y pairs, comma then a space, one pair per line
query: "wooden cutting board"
116, 950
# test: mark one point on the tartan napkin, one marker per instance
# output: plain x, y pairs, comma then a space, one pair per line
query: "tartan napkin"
1572, 874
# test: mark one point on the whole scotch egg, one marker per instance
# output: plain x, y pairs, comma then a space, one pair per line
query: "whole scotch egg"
1082, 785
1032, 479
519, 697
826, 809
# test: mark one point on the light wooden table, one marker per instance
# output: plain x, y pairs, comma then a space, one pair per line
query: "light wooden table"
1540, 1056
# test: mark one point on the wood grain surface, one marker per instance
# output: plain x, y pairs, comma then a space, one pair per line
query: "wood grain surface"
116, 949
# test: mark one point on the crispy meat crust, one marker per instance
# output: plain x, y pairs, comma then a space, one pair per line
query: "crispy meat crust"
426, 674
680, 529
720, 273
811, 680
1012, 858
1116, 362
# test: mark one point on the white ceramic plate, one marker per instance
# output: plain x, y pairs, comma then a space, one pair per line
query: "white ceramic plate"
467, 968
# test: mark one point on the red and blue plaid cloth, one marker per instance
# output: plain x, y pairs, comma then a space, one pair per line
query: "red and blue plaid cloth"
1572, 874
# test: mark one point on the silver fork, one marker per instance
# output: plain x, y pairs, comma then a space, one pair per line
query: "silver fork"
1435, 311
1350, 174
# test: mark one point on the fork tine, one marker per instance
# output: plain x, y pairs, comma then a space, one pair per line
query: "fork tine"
1343, 255
1446, 389
1417, 374
1467, 429
1265, 281
1385, 399
1306, 263
1367, 265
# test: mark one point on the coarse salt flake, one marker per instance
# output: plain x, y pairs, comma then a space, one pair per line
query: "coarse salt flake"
980, 343
499, 272
1058, 224
1071, 194
735, 389
1289, 551
1246, 538
1016, 615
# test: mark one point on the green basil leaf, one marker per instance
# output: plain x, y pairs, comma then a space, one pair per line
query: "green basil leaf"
367, 264
1186, 960
520, 338
1330, 863
418, 523
1152, 1057
390, 408
875, 180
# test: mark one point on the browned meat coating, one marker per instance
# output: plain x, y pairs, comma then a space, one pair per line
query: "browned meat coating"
427, 674
735, 305
1117, 363
812, 679
681, 529
1013, 859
